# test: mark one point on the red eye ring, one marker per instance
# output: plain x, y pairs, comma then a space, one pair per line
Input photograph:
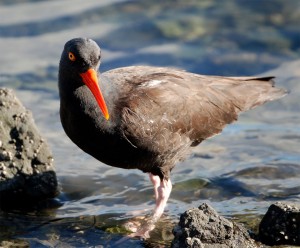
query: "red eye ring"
72, 56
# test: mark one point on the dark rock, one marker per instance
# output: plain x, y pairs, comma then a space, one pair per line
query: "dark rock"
281, 225
203, 228
26, 163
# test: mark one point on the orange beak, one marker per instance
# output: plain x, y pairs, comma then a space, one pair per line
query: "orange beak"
91, 81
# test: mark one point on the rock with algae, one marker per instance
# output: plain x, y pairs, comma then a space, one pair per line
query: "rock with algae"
202, 227
26, 163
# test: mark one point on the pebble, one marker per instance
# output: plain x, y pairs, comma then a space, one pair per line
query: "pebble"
6, 155
2, 166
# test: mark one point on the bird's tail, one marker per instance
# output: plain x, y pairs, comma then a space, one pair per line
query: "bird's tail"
256, 91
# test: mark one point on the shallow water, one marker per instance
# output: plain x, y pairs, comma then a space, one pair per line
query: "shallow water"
255, 161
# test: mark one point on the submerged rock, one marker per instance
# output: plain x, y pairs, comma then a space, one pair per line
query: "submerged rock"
202, 227
26, 163
281, 225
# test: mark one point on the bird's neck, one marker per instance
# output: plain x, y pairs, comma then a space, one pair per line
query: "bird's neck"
78, 103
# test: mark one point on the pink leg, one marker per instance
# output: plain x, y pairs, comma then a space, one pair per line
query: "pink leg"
162, 191
156, 182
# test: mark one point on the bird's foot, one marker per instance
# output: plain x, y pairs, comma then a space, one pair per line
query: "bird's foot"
141, 227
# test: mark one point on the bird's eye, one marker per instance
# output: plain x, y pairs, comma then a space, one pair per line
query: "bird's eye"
72, 56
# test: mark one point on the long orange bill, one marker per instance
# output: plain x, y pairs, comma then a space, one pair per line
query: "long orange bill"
91, 80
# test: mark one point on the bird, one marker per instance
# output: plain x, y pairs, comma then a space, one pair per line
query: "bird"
146, 117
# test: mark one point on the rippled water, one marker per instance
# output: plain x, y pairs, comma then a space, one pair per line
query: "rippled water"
255, 161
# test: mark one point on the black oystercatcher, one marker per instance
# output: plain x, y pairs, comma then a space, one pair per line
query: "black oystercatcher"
145, 117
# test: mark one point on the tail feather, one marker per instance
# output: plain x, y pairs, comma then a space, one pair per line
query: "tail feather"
256, 91
268, 93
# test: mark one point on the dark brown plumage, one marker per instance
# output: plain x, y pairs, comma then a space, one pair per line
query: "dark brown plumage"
155, 114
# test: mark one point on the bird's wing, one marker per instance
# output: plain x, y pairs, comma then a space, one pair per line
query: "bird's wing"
166, 106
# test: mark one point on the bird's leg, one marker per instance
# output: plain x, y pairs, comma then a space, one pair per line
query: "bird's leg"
156, 182
162, 189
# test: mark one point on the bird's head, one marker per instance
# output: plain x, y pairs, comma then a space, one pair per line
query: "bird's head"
81, 60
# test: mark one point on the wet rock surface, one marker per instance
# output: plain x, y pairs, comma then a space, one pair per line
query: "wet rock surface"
281, 225
202, 227
26, 163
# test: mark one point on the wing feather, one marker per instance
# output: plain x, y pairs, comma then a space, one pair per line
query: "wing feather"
183, 109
